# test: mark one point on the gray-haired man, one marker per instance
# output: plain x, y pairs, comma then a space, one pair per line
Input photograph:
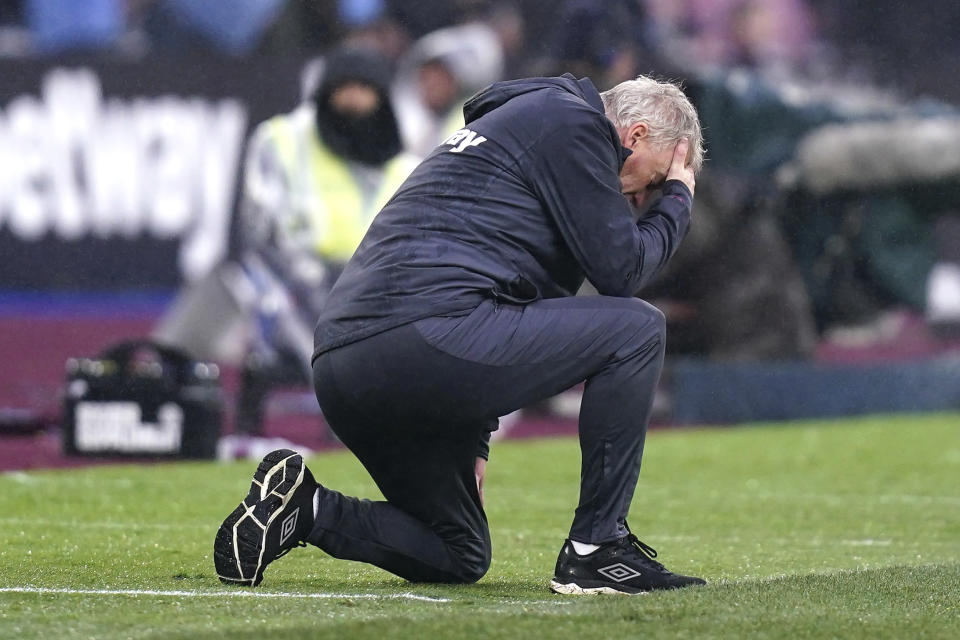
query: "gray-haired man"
459, 307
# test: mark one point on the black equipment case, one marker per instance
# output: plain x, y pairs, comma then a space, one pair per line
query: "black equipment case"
142, 399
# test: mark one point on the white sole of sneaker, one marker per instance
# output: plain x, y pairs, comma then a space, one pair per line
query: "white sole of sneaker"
263, 489
574, 589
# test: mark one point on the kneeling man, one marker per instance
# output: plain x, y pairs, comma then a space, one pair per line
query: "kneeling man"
459, 307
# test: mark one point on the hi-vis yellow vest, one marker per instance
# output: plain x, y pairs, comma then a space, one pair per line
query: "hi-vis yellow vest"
325, 196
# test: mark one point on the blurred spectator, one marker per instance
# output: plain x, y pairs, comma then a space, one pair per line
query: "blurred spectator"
314, 179
437, 75
507, 22
759, 34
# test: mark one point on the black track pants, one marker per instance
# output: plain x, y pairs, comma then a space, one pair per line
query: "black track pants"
412, 404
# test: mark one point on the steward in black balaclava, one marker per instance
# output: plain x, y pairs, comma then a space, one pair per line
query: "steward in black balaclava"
371, 137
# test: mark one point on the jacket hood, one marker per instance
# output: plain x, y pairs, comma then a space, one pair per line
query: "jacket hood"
370, 139
499, 93
354, 64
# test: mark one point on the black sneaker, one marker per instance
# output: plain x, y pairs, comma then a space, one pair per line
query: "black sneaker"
624, 566
275, 517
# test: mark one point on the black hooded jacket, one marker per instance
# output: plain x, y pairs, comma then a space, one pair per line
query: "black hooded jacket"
518, 206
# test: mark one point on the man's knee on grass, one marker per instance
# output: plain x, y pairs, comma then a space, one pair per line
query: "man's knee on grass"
472, 563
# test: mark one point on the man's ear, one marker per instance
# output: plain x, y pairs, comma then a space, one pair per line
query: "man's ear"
636, 132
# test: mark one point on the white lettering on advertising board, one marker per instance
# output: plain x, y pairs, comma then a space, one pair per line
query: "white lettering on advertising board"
119, 426
78, 165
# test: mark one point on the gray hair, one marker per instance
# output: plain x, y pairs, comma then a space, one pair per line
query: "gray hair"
663, 107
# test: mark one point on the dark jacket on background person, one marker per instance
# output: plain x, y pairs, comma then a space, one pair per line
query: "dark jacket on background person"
520, 205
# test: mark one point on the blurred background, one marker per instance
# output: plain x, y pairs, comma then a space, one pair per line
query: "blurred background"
193, 173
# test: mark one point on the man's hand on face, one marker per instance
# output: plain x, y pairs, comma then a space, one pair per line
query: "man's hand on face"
679, 169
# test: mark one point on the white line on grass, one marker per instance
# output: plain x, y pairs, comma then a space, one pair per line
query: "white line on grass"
222, 594
105, 524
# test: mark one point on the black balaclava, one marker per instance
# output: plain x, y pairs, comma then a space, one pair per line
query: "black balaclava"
372, 139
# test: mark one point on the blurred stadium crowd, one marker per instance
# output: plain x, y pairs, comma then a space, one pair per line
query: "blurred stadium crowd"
827, 223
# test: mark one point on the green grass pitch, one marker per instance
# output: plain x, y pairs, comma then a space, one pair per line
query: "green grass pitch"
843, 529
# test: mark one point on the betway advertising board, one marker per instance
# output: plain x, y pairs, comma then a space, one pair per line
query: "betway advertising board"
123, 175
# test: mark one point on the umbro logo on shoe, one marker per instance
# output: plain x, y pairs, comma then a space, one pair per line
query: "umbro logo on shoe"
625, 565
618, 572
266, 525
288, 526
